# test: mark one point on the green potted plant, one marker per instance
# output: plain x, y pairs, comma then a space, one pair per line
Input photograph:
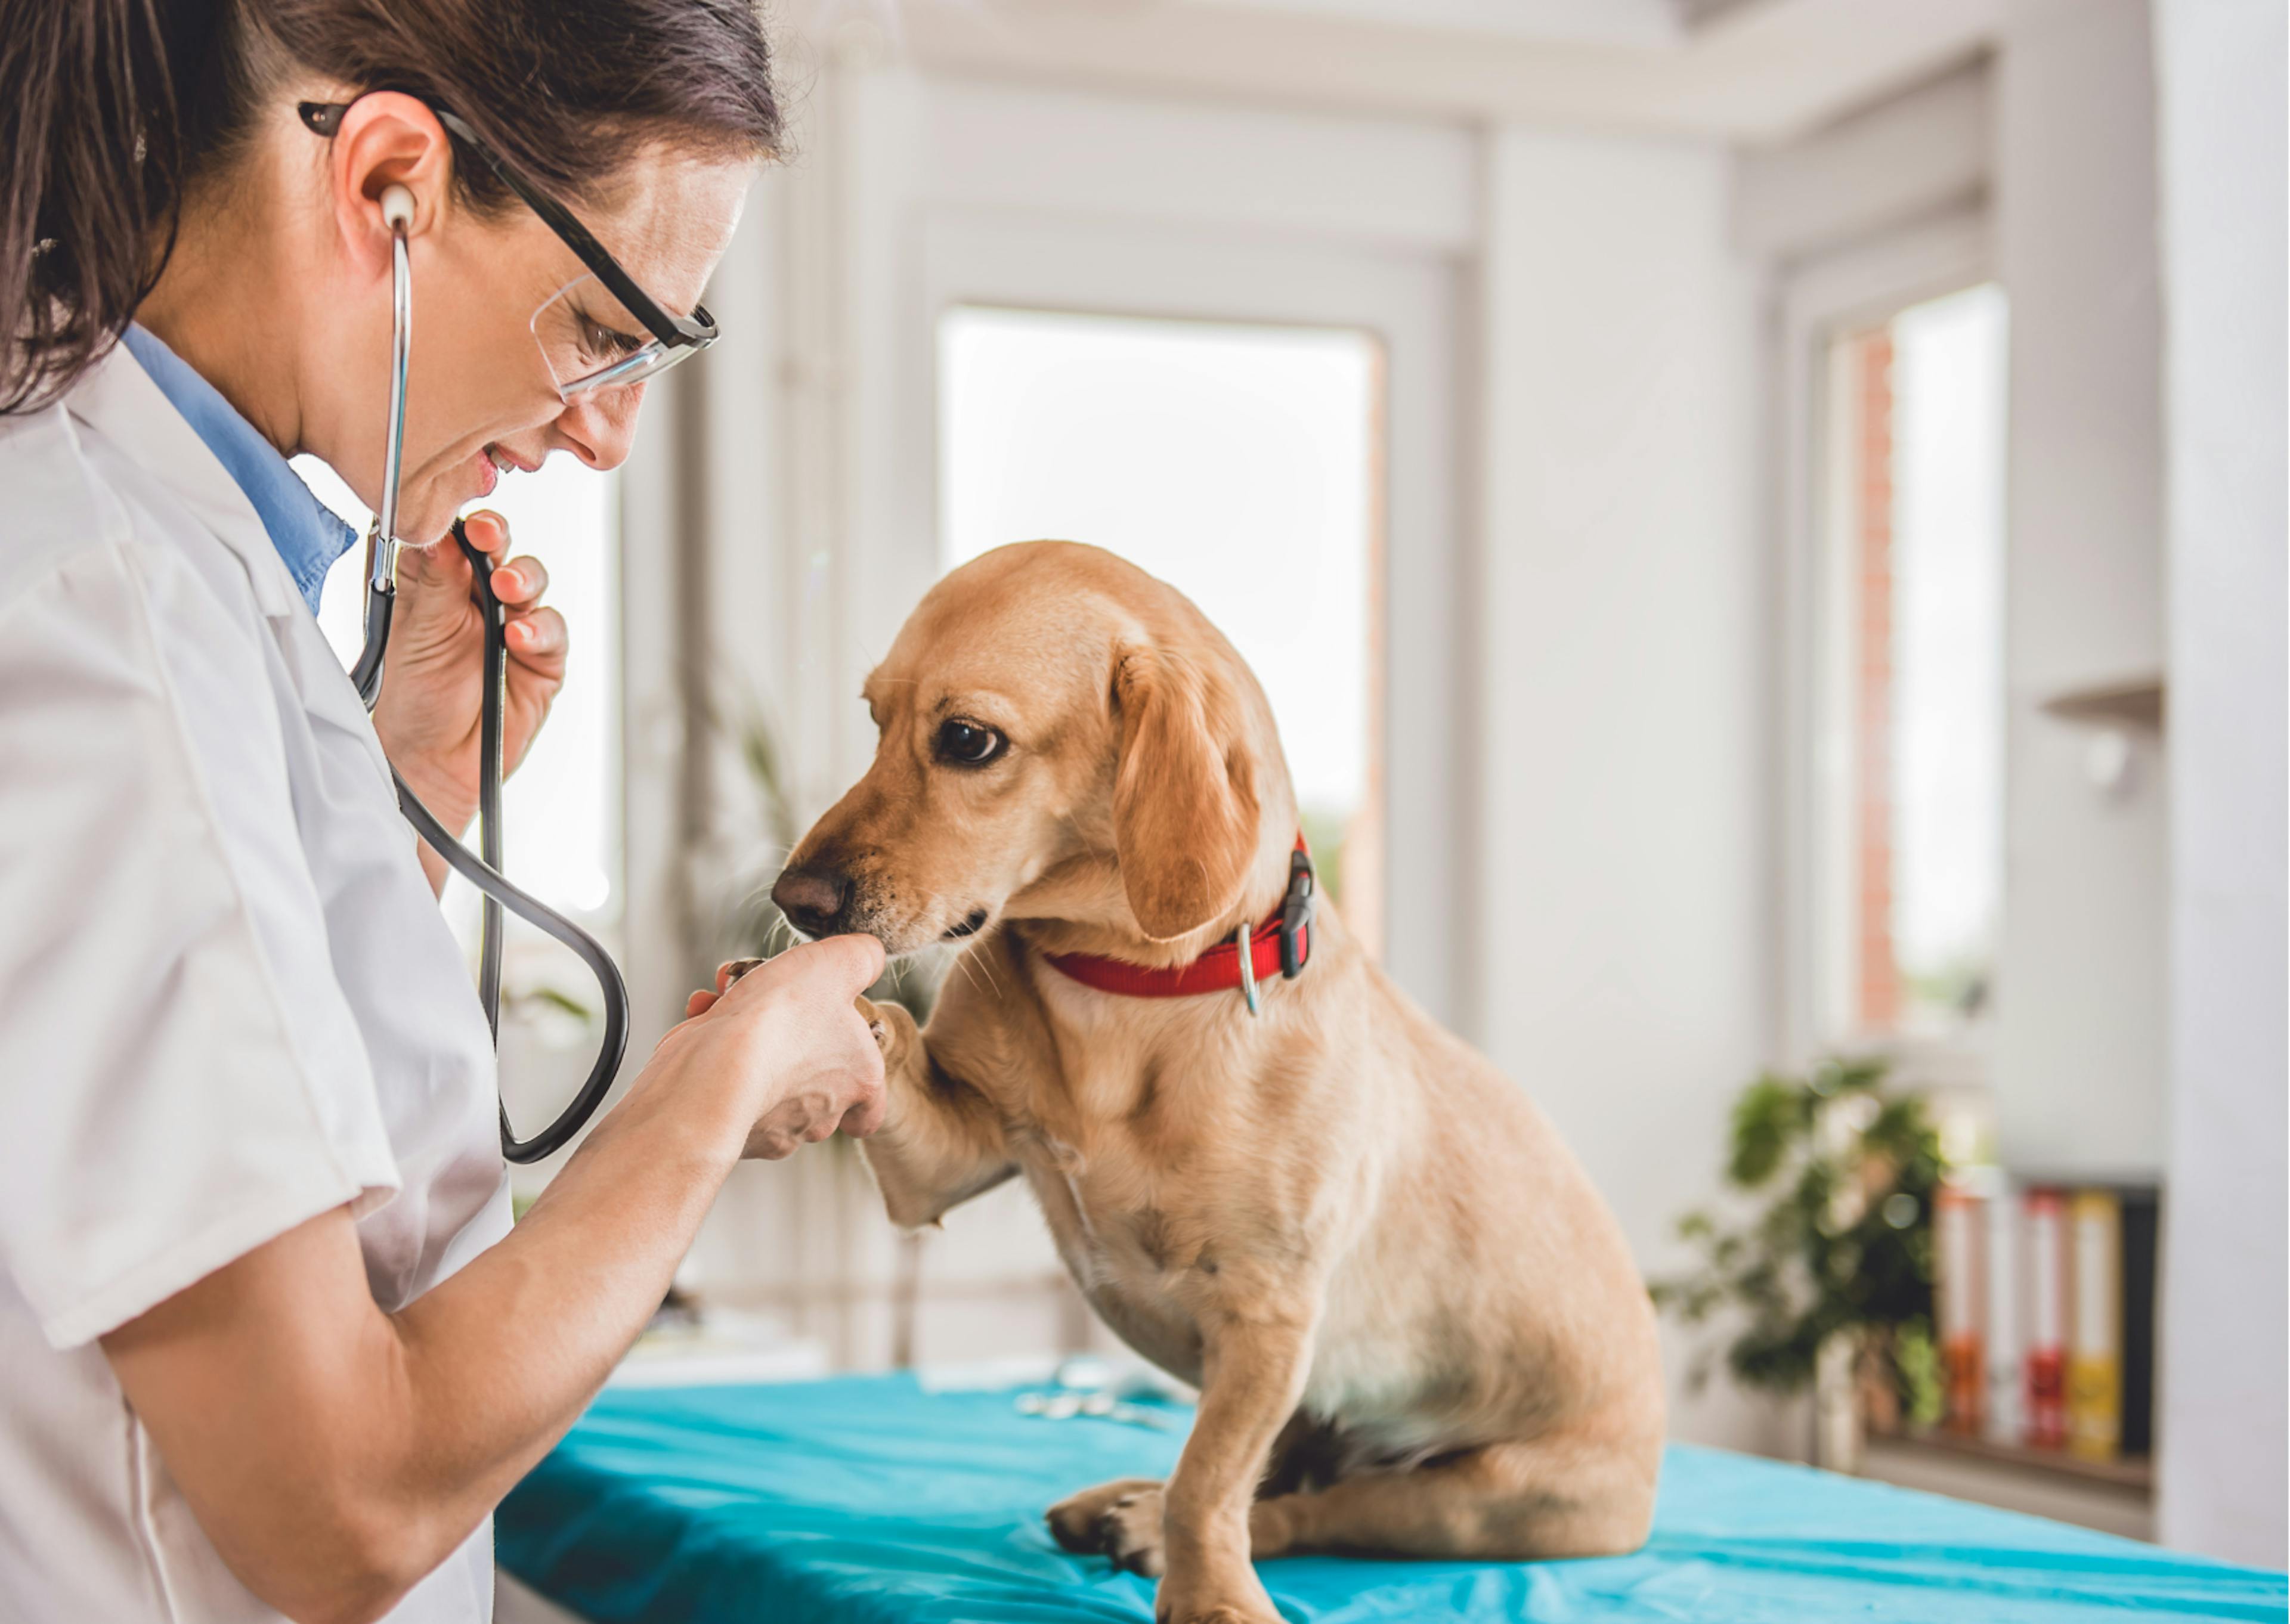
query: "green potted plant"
1825, 1252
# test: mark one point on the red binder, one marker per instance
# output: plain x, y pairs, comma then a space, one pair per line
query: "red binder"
2048, 1318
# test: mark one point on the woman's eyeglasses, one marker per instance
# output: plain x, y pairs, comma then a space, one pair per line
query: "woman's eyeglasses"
598, 332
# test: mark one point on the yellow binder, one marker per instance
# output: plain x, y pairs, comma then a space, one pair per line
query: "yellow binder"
2095, 1395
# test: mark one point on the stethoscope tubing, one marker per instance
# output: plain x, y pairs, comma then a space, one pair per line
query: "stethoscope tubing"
498, 890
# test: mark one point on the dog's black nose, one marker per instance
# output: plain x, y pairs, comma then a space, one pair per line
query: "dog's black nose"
813, 901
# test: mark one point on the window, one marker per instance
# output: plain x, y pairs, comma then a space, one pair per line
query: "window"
1240, 464
562, 806
1912, 751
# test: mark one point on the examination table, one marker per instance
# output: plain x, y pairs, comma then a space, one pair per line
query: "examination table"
877, 1500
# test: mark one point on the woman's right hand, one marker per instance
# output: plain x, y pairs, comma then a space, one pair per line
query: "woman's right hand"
784, 1049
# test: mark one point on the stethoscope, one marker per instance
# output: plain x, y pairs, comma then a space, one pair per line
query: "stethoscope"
482, 872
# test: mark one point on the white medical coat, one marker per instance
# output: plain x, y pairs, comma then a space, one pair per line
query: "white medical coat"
227, 1000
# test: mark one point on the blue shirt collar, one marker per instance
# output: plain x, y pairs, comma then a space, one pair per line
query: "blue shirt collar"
309, 536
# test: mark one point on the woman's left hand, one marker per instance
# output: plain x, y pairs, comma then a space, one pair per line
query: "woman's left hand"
434, 679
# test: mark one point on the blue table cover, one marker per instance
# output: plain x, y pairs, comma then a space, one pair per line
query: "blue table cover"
870, 1500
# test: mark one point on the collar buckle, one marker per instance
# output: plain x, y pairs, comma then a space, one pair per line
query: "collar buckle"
1296, 912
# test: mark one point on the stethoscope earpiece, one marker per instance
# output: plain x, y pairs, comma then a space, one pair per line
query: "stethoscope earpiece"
397, 208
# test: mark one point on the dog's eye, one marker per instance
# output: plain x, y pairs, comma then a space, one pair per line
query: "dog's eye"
968, 744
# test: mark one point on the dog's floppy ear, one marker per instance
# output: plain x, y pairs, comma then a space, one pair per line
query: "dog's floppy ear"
1184, 796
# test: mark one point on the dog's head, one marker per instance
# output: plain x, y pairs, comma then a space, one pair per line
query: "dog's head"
1062, 737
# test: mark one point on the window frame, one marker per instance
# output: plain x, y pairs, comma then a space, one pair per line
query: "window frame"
1407, 303
1362, 894
1821, 300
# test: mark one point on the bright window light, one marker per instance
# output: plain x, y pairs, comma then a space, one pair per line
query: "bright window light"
1947, 734
562, 806
1237, 463
1915, 696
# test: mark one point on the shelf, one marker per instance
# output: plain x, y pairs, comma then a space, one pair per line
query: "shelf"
2135, 1474
2134, 702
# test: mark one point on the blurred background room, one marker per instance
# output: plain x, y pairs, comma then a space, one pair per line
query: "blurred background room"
1763, 524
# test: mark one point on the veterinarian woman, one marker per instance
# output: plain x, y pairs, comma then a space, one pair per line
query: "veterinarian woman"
269, 1344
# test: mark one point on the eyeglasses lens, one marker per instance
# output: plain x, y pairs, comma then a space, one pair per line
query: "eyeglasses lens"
589, 341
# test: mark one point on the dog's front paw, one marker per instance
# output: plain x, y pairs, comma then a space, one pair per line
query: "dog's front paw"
895, 1029
1121, 1520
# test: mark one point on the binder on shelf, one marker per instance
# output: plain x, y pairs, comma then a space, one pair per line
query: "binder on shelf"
2094, 1351
1958, 1303
2003, 1420
2140, 1211
2045, 1328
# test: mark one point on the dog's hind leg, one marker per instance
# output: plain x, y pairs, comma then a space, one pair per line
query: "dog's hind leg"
1556, 1496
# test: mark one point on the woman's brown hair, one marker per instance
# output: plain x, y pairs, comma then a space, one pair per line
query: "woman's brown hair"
111, 109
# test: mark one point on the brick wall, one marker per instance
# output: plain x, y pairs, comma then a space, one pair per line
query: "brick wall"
1878, 982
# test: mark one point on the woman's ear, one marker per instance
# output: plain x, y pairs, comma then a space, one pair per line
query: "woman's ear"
1184, 796
387, 139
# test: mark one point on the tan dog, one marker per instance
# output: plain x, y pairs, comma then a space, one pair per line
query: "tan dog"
1415, 1325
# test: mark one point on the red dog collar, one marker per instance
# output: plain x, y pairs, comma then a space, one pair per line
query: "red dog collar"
1280, 946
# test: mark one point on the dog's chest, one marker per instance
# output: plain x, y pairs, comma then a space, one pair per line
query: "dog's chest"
1158, 1194
1129, 1219
1118, 1214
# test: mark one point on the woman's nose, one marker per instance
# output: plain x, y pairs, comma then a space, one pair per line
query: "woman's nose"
600, 426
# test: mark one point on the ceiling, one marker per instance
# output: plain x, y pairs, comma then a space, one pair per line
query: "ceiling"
1748, 71
1619, 22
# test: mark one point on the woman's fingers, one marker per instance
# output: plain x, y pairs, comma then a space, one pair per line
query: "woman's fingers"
844, 966
520, 581
833, 970
820, 1056
487, 532
534, 633
537, 635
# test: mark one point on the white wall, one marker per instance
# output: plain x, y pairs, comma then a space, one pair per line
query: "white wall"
2080, 1034
1623, 946
2225, 1347
1924, 153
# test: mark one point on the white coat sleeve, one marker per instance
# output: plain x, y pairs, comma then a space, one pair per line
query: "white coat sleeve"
180, 1077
